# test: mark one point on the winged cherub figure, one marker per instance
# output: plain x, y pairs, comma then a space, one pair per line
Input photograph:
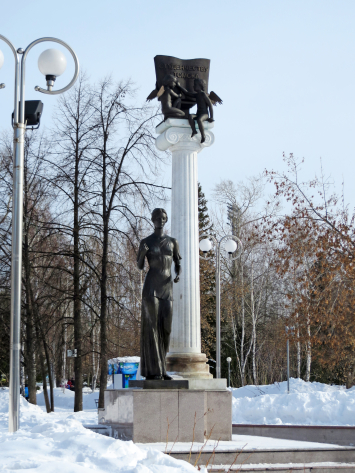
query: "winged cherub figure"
204, 103
170, 100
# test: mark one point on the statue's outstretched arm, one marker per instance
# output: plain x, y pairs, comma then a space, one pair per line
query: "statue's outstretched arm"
186, 92
174, 94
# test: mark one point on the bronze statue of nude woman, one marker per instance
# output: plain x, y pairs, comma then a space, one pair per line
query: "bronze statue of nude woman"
161, 251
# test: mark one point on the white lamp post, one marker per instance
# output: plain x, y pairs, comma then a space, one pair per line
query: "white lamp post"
232, 244
51, 64
229, 359
288, 329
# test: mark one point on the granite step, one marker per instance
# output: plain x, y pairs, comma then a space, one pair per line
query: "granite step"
327, 467
299, 456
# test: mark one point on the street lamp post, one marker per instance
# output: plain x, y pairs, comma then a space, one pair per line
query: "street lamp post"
231, 246
51, 63
288, 329
229, 359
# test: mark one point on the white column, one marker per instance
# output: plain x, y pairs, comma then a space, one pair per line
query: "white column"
185, 356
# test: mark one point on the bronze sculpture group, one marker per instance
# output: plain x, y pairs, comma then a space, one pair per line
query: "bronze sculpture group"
159, 249
170, 95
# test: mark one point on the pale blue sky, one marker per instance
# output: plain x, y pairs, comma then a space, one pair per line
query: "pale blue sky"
285, 70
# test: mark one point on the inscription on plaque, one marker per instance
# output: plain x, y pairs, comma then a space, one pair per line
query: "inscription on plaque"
181, 84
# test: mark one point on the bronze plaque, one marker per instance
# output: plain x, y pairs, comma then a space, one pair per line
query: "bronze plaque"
185, 70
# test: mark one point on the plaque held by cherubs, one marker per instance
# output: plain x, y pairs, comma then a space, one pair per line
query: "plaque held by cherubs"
161, 251
181, 84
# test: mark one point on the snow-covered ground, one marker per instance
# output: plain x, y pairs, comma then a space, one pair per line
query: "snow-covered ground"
306, 404
58, 442
65, 400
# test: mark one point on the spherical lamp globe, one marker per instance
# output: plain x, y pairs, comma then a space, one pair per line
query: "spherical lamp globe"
205, 245
230, 246
52, 62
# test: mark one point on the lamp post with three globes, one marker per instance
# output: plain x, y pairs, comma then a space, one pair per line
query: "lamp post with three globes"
51, 63
232, 244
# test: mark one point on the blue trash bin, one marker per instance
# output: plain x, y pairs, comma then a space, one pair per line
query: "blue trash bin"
129, 371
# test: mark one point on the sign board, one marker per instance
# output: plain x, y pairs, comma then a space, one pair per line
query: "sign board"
185, 70
72, 353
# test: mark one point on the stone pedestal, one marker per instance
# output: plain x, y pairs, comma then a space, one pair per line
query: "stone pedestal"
185, 358
200, 384
176, 415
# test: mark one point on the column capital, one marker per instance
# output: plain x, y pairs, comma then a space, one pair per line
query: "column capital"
175, 134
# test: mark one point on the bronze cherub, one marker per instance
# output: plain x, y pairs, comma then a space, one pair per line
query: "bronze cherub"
171, 102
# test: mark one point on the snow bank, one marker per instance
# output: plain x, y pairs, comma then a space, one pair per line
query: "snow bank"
58, 442
124, 359
307, 404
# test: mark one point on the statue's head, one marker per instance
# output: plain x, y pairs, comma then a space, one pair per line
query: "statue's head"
169, 81
159, 218
199, 84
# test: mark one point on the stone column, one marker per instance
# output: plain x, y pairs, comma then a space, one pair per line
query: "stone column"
185, 357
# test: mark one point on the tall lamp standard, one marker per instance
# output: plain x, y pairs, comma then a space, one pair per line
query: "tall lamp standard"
229, 359
51, 63
291, 330
232, 244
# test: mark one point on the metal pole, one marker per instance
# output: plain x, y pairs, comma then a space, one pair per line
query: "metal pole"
218, 294
14, 391
229, 374
16, 273
218, 314
288, 366
17, 214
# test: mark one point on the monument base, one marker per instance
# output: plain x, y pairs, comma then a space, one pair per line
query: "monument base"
188, 365
191, 383
158, 384
175, 415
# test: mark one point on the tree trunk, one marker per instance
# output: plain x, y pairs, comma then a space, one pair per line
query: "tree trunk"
242, 361
78, 374
93, 381
308, 351
43, 372
64, 366
50, 377
30, 360
253, 318
103, 284
30, 346
298, 351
